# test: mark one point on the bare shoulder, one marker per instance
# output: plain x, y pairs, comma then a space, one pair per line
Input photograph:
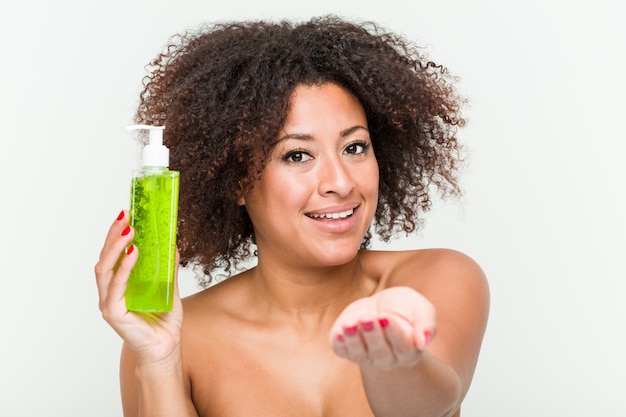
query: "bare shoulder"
424, 267
216, 301
450, 279
209, 316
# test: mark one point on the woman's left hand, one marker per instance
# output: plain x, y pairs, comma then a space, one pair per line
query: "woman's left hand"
389, 329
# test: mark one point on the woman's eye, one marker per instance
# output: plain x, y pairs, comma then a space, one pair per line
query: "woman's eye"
357, 148
296, 156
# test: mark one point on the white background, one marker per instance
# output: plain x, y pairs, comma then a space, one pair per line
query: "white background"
543, 211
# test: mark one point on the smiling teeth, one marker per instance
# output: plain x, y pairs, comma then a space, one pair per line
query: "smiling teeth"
340, 215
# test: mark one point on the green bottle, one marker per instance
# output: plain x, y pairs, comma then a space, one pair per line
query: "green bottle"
153, 216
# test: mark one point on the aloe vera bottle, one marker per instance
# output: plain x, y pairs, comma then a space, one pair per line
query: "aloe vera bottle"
153, 216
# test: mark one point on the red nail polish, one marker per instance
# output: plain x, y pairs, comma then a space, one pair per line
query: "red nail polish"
130, 249
120, 216
126, 231
367, 326
350, 330
384, 322
340, 337
427, 336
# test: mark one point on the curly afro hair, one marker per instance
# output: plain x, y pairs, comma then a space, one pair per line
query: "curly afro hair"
223, 92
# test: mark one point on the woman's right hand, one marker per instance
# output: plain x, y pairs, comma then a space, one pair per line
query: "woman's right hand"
154, 337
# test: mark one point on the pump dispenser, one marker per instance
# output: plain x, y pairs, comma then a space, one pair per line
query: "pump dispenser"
153, 216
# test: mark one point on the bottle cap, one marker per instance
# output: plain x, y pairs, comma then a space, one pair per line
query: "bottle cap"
154, 154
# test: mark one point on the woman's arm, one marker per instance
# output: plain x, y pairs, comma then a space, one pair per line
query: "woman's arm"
419, 357
156, 389
429, 388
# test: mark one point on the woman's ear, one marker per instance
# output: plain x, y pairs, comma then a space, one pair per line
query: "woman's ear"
241, 200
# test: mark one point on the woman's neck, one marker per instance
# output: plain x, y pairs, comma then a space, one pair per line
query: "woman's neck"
309, 295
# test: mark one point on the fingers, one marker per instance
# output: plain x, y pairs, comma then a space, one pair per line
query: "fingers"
385, 330
400, 337
117, 286
381, 342
115, 263
369, 346
412, 308
115, 230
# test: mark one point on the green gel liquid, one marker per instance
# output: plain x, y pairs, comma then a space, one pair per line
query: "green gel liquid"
153, 216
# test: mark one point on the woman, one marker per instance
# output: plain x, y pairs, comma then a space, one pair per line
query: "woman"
293, 141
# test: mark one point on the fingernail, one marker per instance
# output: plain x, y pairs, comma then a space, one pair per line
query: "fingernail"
427, 337
367, 326
350, 330
384, 322
130, 249
126, 231
120, 216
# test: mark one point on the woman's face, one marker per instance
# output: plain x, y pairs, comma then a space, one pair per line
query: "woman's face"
317, 195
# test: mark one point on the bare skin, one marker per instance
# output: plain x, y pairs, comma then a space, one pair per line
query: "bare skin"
243, 357
318, 328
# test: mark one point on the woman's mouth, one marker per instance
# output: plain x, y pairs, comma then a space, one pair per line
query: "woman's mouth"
337, 215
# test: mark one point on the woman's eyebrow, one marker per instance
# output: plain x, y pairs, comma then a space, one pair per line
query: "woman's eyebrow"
306, 136
297, 136
352, 129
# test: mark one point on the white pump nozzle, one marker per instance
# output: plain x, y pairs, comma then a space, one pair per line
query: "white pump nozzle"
154, 153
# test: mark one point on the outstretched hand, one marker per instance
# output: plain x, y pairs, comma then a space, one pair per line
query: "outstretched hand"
152, 336
388, 329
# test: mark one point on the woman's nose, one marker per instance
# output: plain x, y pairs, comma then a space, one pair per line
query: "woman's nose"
335, 177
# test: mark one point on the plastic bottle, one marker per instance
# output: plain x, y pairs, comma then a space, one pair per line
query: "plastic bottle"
153, 216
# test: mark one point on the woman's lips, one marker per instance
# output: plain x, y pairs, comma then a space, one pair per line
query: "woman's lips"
336, 215
335, 221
